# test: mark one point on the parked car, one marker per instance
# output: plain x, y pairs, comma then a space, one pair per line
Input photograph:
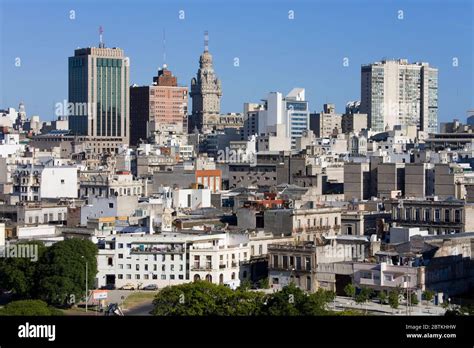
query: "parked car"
151, 287
233, 284
108, 287
128, 287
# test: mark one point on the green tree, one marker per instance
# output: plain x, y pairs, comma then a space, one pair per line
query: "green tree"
382, 296
315, 303
363, 296
202, 298
245, 285
393, 299
428, 295
350, 290
62, 271
29, 308
19, 274
286, 302
264, 283
413, 299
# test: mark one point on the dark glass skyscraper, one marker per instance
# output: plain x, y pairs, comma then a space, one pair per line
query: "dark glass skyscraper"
99, 93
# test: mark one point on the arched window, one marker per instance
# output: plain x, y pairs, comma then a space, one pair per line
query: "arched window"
233, 275
197, 277
221, 279
209, 278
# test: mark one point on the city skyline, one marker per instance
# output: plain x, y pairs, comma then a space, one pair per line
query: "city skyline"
320, 71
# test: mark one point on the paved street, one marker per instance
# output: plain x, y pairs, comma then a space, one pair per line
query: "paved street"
342, 303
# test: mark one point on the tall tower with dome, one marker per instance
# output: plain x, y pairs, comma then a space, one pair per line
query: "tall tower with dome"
206, 92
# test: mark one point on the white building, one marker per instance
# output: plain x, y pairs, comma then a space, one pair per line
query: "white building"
10, 145
59, 182
170, 258
191, 198
395, 92
292, 111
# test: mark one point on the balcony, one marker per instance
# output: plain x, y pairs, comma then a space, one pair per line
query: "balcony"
201, 268
155, 250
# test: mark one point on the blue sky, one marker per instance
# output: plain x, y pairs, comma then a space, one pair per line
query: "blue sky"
275, 53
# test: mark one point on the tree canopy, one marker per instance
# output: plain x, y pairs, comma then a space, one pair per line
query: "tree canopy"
57, 277
29, 308
203, 299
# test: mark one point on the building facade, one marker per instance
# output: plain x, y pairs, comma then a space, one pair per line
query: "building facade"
206, 92
395, 92
99, 95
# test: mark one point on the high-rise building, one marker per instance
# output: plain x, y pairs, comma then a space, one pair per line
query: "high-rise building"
160, 107
206, 92
252, 114
292, 111
99, 97
327, 123
395, 92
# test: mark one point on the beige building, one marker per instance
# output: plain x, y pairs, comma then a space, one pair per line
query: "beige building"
162, 107
419, 180
356, 181
326, 123
353, 123
436, 216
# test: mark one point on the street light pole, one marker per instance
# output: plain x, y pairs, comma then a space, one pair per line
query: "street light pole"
87, 287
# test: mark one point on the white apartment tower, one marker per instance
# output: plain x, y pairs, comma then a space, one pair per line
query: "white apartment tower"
395, 92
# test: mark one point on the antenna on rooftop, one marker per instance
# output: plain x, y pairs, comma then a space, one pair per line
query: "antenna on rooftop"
164, 48
101, 37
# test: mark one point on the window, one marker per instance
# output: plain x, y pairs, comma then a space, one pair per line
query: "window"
146, 276
437, 215
336, 221
62, 181
163, 277
446, 215
172, 276
129, 276
120, 276
120, 266
427, 215
457, 216
137, 276
365, 275
129, 266
120, 245
308, 263
298, 262
388, 277
110, 261
146, 267
275, 261
137, 267
308, 283
408, 214
111, 205
163, 268
285, 261
120, 256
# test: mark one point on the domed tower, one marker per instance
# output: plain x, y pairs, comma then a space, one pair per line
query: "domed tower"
206, 92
